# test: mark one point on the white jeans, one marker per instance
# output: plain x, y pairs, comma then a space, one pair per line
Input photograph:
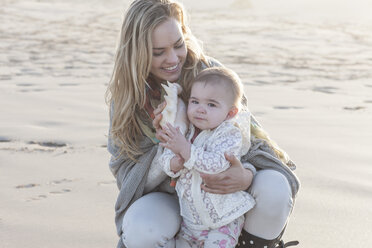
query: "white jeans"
154, 219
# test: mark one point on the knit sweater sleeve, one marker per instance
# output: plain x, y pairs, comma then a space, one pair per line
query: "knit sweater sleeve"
130, 174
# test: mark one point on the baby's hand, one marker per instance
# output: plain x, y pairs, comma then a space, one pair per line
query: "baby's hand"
176, 142
176, 163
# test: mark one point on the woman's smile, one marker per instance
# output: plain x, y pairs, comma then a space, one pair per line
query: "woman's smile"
172, 69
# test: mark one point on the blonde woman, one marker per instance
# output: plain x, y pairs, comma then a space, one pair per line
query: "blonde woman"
156, 46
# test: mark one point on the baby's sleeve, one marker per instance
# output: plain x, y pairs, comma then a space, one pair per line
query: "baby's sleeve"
165, 159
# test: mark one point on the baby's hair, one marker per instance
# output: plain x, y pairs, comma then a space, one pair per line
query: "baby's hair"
225, 76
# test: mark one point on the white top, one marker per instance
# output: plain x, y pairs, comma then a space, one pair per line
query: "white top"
199, 209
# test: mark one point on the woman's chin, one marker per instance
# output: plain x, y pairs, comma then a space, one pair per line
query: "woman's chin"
172, 78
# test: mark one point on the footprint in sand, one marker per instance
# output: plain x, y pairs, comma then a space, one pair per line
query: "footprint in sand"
105, 183
64, 180
61, 181
37, 198
48, 144
4, 139
53, 192
325, 89
261, 82
30, 185
28, 87
36, 90
354, 108
62, 191
68, 84
25, 84
33, 199
287, 107
5, 77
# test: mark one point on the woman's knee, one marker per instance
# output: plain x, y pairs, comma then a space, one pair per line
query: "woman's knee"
272, 193
151, 221
273, 196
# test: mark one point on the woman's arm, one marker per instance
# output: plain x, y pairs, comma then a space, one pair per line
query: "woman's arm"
234, 179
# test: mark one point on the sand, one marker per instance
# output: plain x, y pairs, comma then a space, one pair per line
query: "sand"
307, 75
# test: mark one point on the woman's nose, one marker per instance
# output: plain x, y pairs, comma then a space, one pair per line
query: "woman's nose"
172, 57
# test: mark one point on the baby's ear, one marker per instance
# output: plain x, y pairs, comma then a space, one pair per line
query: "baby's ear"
232, 112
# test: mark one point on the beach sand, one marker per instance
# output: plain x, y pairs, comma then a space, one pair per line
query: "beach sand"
307, 75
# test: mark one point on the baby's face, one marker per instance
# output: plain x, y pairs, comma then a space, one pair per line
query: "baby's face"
209, 105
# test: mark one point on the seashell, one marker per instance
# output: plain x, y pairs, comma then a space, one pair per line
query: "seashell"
175, 111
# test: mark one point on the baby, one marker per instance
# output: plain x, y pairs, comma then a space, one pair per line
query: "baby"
209, 220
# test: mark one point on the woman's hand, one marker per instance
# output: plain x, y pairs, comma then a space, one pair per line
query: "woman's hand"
160, 134
234, 179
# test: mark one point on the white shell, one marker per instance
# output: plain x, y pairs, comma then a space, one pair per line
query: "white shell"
175, 111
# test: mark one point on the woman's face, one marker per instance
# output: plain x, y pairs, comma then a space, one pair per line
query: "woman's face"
169, 51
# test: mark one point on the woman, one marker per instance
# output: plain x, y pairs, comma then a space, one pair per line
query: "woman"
156, 46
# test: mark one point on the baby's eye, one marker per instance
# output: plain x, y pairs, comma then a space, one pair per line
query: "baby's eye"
194, 102
211, 105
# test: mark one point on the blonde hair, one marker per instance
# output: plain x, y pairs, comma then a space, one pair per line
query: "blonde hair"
226, 77
259, 133
132, 67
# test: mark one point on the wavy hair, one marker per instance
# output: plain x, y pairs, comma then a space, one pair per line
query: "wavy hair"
127, 87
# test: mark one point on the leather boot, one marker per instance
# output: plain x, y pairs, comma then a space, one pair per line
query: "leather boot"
247, 240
